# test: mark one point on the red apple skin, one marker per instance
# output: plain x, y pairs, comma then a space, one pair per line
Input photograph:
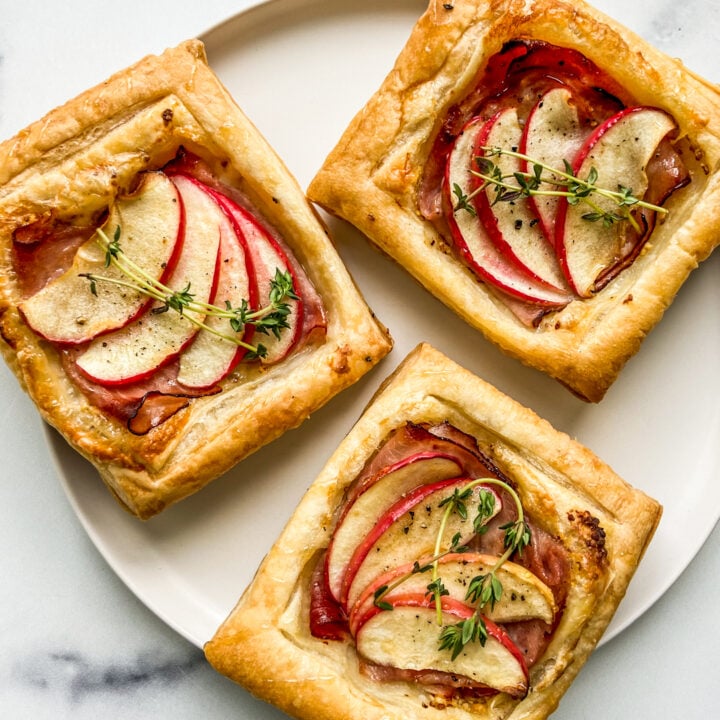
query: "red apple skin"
247, 227
208, 360
384, 522
485, 259
142, 306
540, 264
401, 463
403, 505
460, 610
172, 350
561, 246
232, 248
565, 147
416, 460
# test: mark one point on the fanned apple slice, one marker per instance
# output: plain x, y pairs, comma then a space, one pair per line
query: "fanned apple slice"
136, 351
472, 240
407, 637
210, 358
553, 136
524, 595
361, 515
409, 530
151, 222
512, 225
618, 151
267, 258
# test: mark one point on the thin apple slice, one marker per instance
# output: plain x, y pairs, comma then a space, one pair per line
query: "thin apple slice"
361, 515
151, 222
553, 136
408, 531
210, 358
267, 257
524, 595
619, 151
472, 240
136, 351
512, 225
407, 637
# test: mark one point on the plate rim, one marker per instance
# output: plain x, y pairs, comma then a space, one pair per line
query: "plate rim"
55, 441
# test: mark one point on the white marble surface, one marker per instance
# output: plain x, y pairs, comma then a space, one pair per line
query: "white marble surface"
76, 643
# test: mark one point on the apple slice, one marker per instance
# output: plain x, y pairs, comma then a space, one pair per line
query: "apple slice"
361, 515
619, 151
408, 531
524, 596
136, 351
513, 226
267, 257
151, 222
210, 358
472, 240
407, 637
552, 136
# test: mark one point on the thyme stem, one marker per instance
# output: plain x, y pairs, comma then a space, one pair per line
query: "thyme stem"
272, 317
529, 184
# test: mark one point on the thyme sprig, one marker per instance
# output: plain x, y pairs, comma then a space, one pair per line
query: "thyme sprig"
484, 589
270, 319
548, 181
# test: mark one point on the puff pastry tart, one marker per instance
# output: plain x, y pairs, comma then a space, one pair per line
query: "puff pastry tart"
168, 297
456, 558
543, 171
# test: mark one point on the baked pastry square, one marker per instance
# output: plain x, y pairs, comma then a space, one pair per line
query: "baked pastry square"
569, 286
445, 494
159, 167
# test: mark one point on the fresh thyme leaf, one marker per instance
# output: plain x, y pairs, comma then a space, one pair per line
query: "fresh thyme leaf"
457, 501
517, 535
484, 590
626, 196
437, 589
456, 637
418, 568
378, 598
112, 249
486, 509
475, 588
463, 201
455, 542
258, 353
485, 165
607, 218
180, 299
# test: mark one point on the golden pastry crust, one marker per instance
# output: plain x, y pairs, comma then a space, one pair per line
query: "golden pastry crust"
372, 178
265, 644
69, 166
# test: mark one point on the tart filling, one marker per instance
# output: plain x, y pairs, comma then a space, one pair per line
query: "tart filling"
548, 178
437, 573
179, 286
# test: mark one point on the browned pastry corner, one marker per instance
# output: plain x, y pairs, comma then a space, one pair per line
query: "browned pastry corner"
340, 620
160, 159
571, 290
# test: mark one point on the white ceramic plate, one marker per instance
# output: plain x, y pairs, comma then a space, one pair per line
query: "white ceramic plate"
301, 69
